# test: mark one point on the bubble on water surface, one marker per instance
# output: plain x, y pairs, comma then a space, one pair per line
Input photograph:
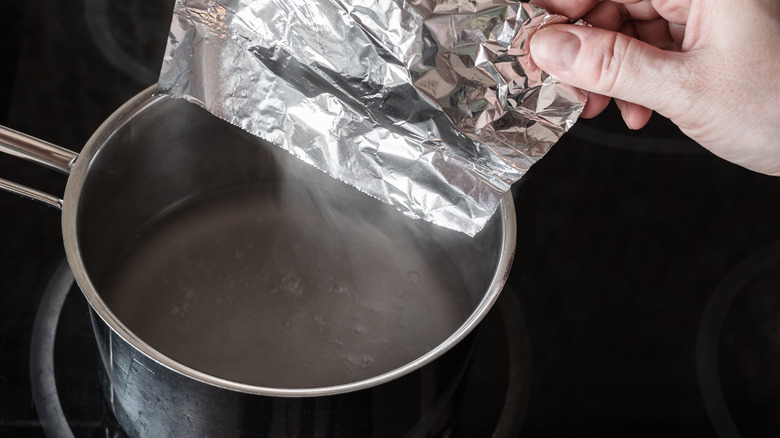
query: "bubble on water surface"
358, 361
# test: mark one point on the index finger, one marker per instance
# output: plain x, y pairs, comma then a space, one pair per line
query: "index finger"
573, 8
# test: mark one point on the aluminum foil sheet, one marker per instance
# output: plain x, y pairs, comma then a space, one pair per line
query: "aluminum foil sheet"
433, 106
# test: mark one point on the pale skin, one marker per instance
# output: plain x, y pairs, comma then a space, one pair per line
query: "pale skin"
711, 66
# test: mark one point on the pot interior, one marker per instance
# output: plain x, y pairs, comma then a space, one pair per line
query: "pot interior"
230, 256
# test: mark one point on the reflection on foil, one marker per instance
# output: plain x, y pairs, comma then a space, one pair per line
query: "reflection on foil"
433, 106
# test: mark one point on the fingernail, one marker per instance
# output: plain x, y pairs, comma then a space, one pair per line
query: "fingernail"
555, 48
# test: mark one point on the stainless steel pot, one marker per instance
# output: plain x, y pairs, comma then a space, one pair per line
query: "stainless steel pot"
198, 265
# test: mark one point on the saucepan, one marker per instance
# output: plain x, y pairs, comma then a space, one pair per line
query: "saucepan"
235, 290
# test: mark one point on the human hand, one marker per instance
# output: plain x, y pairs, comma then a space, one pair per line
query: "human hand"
711, 66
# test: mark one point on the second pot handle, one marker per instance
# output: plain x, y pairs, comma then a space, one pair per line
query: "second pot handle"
40, 152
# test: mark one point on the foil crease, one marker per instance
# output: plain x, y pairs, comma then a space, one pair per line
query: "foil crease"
433, 106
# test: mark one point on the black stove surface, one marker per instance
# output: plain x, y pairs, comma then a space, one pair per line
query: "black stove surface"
642, 301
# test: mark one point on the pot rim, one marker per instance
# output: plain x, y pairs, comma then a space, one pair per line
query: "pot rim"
71, 199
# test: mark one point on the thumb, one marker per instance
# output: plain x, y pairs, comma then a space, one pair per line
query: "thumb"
612, 64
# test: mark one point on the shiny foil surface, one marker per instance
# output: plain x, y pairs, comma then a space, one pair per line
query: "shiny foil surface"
433, 106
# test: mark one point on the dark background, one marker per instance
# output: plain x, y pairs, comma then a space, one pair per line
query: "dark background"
623, 240
64, 67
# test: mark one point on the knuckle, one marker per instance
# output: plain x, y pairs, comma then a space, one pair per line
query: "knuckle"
612, 64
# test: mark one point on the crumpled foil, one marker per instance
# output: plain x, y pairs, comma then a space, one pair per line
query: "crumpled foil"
433, 106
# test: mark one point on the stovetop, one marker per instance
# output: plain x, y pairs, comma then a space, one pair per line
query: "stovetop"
642, 301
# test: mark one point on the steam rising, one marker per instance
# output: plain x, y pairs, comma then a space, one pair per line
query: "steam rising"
297, 281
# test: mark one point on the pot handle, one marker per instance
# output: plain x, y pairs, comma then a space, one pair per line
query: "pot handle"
40, 152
